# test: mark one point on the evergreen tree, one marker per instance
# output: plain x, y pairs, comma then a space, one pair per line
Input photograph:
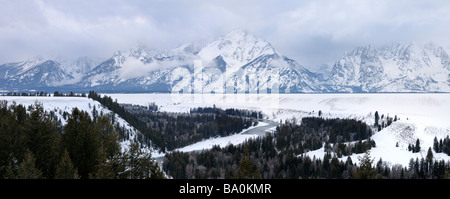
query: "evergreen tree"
94, 114
365, 170
27, 169
247, 168
109, 138
435, 145
10, 173
65, 168
140, 165
104, 168
13, 141
82, 142
417, 146
429, 156
43, 139
443, 148
377, 117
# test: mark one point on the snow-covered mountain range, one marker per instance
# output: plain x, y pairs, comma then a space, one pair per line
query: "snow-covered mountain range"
236, 62
395, 68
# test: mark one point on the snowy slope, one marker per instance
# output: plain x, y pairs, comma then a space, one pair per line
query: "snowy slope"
65, 104
401, 133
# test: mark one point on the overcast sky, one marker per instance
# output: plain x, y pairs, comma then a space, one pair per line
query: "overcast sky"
311, 32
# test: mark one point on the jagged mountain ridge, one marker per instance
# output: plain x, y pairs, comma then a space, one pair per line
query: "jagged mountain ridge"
236, 62
32, 73
395, 68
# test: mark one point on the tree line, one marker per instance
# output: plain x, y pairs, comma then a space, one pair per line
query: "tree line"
41, 93
70, 94
230, 111
32, 146
45, 94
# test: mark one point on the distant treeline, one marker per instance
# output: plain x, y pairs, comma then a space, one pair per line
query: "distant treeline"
281, 155
70, 94
168, 131
45, 94
41, 93
231, 111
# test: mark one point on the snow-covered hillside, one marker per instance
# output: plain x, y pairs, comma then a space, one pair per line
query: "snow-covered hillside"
59, 105
421, 116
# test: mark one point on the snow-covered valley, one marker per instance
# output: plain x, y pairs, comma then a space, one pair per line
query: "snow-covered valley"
420, 116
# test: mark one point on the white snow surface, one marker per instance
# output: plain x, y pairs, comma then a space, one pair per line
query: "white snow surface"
421, 116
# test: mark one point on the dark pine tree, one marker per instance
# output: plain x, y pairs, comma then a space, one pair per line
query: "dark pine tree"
377, 117
417, 146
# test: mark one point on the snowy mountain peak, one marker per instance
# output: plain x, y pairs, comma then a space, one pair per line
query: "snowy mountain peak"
237, 48
142, 52
239, 33
139, 51
27, 64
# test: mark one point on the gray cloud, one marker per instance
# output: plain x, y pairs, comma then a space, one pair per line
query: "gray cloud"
312, 32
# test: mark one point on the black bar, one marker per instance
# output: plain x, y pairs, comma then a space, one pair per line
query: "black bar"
246, 189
